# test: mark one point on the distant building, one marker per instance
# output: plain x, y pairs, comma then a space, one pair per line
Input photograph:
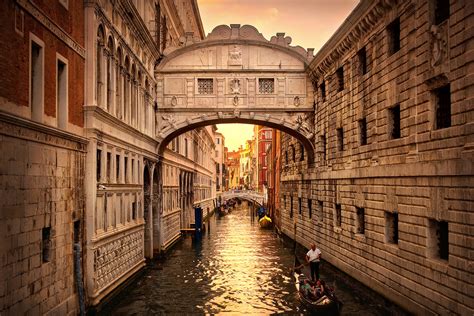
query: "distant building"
264, 137
220, 162
233, 169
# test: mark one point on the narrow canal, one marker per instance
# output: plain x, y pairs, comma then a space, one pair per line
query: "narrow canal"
238, 268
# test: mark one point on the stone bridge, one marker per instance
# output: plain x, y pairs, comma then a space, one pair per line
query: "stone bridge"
235, 75
248, 195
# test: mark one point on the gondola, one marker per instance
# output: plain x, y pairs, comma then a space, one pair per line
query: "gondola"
326, 304
265, 222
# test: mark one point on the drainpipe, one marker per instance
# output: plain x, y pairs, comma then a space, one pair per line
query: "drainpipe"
78, 278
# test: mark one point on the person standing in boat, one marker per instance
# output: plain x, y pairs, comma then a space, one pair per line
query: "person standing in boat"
312, 257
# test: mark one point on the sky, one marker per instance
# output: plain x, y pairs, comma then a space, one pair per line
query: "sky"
310, 23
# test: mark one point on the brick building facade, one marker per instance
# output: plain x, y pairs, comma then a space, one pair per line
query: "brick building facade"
389, 198
42, 155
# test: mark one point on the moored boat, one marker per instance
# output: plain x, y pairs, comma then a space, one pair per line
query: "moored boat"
265, 222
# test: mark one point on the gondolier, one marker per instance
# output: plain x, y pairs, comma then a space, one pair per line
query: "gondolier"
312, 257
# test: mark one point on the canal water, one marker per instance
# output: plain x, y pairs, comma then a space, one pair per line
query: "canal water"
236, 268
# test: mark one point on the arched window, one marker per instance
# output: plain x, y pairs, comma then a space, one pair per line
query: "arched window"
110, 65
99, 55
118, 86
126, 90
133, 96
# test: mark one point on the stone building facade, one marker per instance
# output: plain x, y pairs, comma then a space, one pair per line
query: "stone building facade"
42, 156
389, 198
135, 184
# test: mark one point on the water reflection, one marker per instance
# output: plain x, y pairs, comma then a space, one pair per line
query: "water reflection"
237, 268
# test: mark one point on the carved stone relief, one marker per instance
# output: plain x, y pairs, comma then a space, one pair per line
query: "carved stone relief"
115, 258
235, 86
438, 44
235, 56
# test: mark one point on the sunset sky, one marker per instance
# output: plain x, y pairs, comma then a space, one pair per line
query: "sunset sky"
310, 23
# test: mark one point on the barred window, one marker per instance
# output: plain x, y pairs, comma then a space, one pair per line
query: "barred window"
205, 86
266, 85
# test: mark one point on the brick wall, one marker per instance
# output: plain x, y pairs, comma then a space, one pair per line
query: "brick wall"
15, 55
424, 174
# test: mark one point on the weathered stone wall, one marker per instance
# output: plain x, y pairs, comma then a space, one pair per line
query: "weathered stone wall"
41, 176
424, 174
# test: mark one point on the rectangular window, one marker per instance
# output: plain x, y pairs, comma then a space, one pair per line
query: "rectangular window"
340, 139
266, 85
133, 170
320, 211
391, 227
205, 86
291, 206
186, 147
62, 94
117, 168
323, 148
362, 57
393, 35
300, 207
441, 11
37, 81
125, 168
284, 201
99, 165
340, 79
360, 228
134, 210
109, 166
310, 208
322, 88
438, 239
46, 244
443, 106
394, 122
338, 216
363, 131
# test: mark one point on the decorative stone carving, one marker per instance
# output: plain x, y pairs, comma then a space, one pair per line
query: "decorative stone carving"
236, 113
438, 45
235, 86
302, 125
168, 121
174, 101
113, 259
235, 101
296, 101
235, 56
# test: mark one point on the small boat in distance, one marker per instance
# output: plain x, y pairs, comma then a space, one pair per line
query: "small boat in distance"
265, 222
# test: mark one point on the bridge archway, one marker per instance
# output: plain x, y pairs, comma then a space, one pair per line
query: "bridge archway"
235, 75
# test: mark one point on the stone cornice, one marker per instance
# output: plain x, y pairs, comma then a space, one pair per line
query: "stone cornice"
197, 15
52, 26
363, 18
103, 116
51, 136
240, 35
141, 30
